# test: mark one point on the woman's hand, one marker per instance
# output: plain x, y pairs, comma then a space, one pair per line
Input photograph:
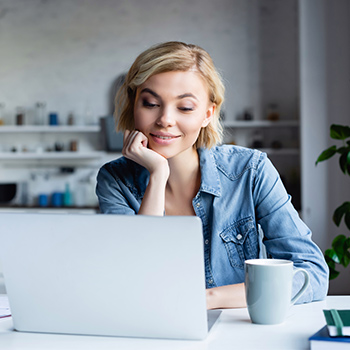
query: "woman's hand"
135, 148
226, 297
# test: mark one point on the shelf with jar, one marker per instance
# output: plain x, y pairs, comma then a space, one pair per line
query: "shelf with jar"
280, 137
59, 143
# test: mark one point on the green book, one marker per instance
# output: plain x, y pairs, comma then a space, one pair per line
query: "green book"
338, 322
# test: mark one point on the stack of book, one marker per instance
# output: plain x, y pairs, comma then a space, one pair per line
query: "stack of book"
336, 334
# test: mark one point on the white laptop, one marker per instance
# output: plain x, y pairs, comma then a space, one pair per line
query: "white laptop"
113, 275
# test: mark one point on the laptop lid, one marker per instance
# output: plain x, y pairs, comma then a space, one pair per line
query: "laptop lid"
137, 276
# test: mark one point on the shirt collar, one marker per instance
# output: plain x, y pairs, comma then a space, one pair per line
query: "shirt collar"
210, 180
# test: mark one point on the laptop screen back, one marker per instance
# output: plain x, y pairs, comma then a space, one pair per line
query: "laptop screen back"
137, 276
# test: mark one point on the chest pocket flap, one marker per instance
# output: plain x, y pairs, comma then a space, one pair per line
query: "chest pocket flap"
241, 241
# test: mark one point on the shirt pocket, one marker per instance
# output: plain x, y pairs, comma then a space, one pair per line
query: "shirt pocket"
241, 241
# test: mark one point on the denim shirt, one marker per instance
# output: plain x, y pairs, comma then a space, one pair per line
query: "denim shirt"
241, 195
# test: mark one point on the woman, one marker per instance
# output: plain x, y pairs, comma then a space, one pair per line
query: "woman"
168, 108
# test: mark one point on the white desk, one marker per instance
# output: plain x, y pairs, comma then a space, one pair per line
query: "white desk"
233, 331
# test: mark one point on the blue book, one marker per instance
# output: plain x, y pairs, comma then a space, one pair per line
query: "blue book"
338, 322
323, 341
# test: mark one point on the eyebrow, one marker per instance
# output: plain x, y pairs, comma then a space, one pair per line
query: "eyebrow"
188, 94
150, 92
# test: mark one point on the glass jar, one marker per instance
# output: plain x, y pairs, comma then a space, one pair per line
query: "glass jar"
20, 116
273, 113
40, 112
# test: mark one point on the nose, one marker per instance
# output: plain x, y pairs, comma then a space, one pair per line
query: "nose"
166, 118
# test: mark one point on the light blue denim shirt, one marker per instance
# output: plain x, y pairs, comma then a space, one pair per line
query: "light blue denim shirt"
241, 194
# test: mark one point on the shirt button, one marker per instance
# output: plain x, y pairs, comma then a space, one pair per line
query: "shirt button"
239, 236
206, 241
198, 205
210, 281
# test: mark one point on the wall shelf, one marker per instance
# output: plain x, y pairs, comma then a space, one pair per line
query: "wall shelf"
46, 210
49, 129
52, 155
281, 152
260, 123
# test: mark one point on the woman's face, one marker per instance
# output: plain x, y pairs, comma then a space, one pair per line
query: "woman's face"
170, 109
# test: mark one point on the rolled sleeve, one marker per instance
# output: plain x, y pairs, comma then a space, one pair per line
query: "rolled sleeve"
285, 235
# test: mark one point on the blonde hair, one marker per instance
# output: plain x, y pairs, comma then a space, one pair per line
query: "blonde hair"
168, 57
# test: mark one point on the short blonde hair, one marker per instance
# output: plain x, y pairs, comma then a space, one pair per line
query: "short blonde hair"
168, 57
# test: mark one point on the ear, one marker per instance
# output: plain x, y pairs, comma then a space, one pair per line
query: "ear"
209, 115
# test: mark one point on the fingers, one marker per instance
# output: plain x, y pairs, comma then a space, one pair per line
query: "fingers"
133, 141
130, 139
135, 148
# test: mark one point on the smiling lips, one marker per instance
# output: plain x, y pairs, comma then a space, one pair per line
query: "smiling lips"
163, 138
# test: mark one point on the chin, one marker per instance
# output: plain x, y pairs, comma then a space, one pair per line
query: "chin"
171, 151
165, 154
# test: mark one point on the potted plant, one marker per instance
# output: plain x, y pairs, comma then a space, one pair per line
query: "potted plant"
339, 254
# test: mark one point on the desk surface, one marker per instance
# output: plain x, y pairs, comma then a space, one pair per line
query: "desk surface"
232, 331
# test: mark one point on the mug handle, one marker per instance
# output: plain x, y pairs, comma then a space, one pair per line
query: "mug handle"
303, 288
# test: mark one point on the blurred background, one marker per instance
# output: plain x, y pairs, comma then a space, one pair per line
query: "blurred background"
285, 64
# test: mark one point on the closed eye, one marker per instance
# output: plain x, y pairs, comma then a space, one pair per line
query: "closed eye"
145, 103
186, 109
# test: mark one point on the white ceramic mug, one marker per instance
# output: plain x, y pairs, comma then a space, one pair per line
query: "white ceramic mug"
268, 286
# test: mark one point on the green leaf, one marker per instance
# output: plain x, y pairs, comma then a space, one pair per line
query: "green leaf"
343, 162
347, 243
333, 273
340, 211
331, 256
339, 132
330, 262
342, 150
347, 252
338, 246
338, 241
346, 259
347, 222
326, 154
